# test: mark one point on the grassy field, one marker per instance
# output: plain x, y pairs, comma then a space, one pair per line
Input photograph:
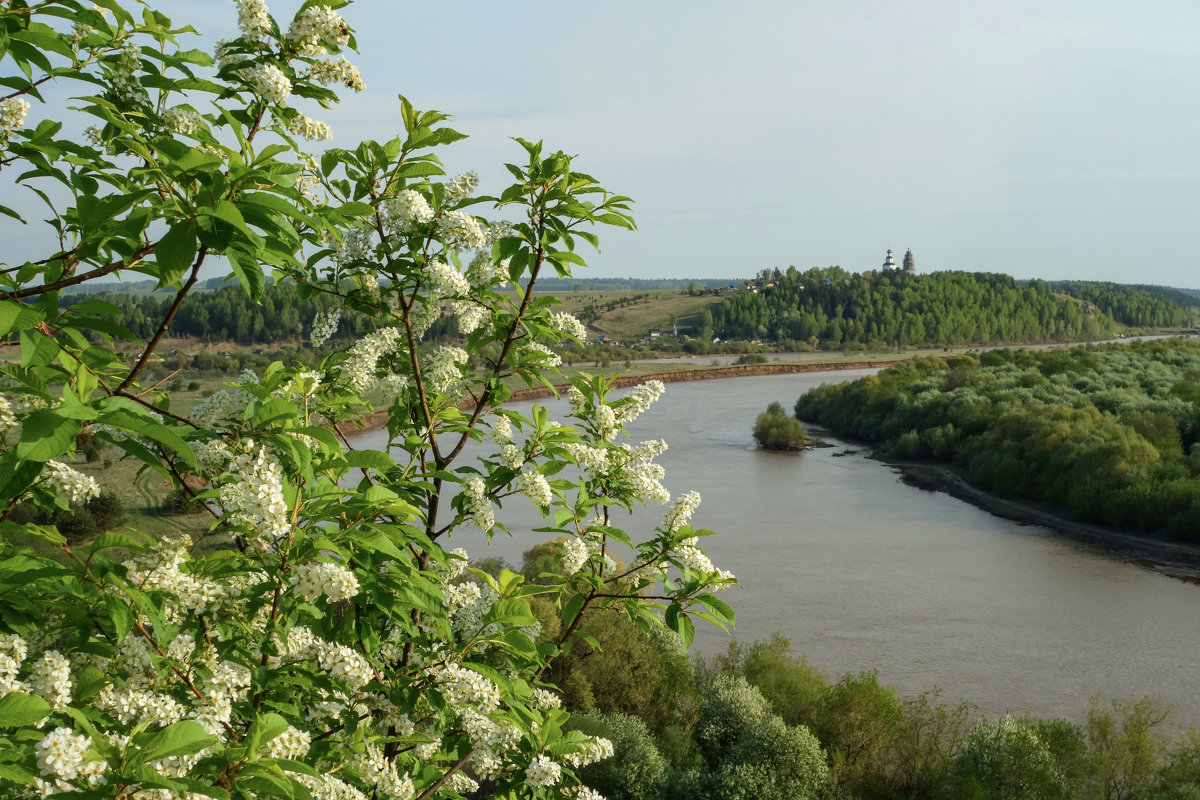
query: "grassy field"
628, 315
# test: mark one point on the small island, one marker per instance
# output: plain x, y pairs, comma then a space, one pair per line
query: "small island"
774, 429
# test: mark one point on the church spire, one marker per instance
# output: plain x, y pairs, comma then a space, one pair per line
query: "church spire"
910, 266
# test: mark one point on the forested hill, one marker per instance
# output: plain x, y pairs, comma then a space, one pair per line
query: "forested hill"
1139, 305
837, 308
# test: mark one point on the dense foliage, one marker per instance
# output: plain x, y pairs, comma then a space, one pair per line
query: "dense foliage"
761, 722
1140, 306
1108, 432
324, 642
774, 429
836, 308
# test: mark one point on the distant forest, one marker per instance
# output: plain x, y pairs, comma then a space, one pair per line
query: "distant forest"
827, 307
835, 308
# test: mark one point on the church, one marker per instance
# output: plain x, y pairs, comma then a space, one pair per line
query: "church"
909, 268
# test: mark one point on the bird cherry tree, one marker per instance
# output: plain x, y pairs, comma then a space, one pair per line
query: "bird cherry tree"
327, 643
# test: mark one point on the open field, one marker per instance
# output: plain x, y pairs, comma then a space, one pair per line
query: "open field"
629, 315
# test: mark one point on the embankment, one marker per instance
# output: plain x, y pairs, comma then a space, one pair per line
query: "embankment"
379, 418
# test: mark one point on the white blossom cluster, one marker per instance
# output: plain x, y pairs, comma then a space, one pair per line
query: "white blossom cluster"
682, 511
13, 650
358, 370
502, 430
568, 324
380, 772
212, 410
308, 128
75, 486
327, 787
324, 579
542, 354
355, 245
161, 567
51, 678
465, 688
456, 564
448, 281
269, 82
182, 120
582, 793
254, 498
371, 284
604, 420
317, 24
639, 400
484, 273
293, 743
469, 603
592, 459
12, 116
336, 71
491, 741
340, 661
324, 325
542, 771
591, 750
575, 554
254, 21
534, 485
461, 231
443, 369
123, 75
461, 187
544, 698
643, 475
471, 316
8, 417
692, 557
476, 505
406, 212
61, 754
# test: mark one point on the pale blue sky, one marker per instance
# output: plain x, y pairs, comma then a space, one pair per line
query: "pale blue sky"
1054, 140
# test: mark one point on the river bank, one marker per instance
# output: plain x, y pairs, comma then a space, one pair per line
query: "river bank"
378, 419
1175, 559
1168, 558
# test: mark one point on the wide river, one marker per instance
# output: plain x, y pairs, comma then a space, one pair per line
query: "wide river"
860, 571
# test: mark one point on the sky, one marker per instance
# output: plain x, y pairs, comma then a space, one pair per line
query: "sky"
1048, 140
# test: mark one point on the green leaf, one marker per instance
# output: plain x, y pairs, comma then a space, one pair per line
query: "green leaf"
248, 270
572, 608
175, 251
139, 421
180, 739
263, 730
18, 709
719, 608
45, 435
17, 316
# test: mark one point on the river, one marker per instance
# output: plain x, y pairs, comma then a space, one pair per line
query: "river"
860, 571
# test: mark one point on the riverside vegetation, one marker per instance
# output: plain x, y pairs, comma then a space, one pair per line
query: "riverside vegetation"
322, 642
1110, 433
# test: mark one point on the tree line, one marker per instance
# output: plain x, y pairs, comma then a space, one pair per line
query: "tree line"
1109, 433
760, 721
831, 307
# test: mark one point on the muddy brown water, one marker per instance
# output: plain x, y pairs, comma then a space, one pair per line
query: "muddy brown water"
860, 571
